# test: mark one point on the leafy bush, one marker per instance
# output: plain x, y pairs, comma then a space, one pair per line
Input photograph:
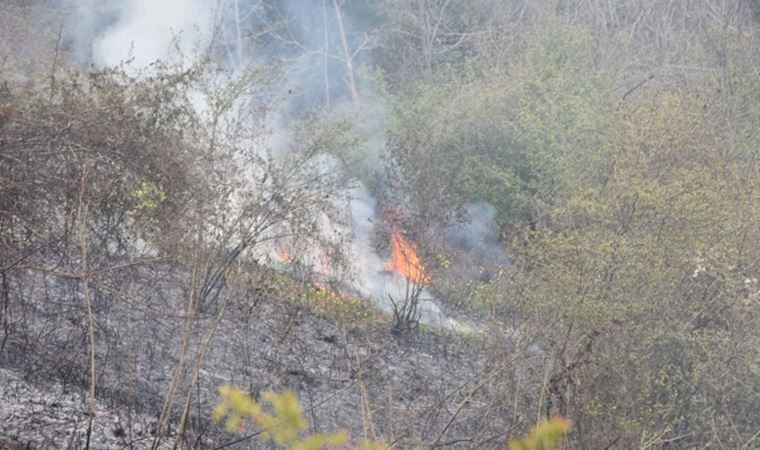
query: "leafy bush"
285, 425
546, 435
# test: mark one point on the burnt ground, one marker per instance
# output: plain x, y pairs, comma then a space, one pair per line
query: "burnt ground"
421, 389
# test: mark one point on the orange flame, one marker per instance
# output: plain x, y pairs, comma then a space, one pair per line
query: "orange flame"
404, 259
325, 288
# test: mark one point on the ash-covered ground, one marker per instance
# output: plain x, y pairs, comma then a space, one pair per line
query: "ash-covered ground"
420, 389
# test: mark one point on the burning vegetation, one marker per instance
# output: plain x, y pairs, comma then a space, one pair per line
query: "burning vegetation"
404, 259
583, 172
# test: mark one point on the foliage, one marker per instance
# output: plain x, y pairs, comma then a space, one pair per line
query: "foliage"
544, 436
341, 309
644, 278
628, 195
514, 139
284, 426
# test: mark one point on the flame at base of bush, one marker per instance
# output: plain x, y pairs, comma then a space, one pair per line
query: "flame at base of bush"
405, 261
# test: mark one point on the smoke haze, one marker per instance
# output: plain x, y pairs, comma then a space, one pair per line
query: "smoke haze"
308, 48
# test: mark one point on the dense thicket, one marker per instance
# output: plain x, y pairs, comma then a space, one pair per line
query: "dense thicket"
617, 142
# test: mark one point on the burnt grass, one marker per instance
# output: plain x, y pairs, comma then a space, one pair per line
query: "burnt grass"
424, 388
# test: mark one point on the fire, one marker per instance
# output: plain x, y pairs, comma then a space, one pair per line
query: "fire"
319, 270
404, 259
326, 289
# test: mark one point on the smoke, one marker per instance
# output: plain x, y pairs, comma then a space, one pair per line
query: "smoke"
106, 33
149, 30
308, 46
477, 236
373, 280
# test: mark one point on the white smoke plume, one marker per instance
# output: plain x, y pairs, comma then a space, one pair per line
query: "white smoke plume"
106, 33
144, 31
478, 237
148, 30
